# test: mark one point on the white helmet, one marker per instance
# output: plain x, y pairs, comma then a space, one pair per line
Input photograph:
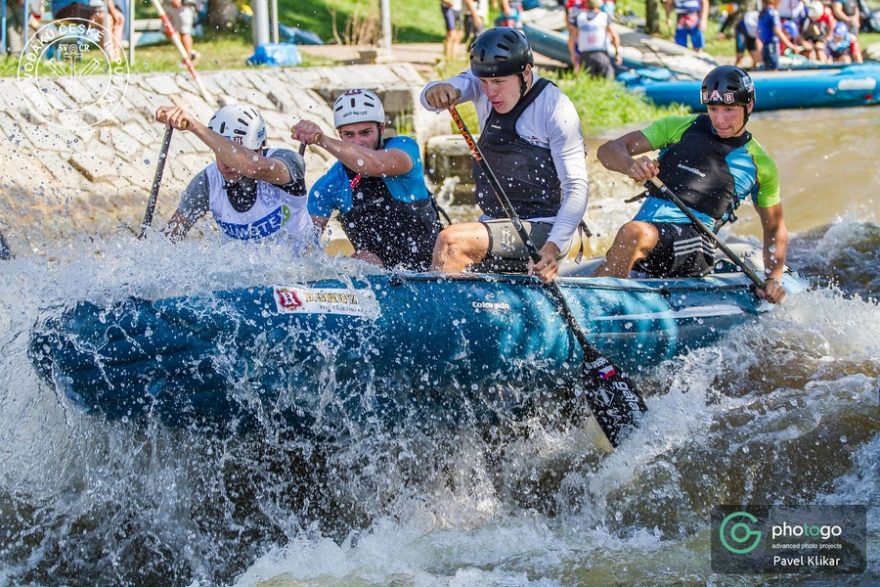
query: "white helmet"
358, 106
242, 124
816, 10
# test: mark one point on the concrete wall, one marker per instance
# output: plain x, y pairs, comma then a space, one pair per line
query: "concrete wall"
80, 152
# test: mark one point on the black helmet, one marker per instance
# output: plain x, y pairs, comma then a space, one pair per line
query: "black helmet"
727, 84
500, 51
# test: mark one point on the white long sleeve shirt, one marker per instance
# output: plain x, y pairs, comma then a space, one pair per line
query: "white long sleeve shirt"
551, 122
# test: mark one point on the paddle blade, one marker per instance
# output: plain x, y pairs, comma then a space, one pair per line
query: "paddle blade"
612, 397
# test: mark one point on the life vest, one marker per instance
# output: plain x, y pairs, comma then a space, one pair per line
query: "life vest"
274, 213
687, 6
399, 233
525, 171
592, 31
696, 170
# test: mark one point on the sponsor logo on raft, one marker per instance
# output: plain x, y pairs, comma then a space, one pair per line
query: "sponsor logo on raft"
482, 305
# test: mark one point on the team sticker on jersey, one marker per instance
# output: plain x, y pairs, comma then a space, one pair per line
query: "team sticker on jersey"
317, 300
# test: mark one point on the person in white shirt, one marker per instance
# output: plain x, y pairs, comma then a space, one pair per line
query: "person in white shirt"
588, 34
531, 139
254, 193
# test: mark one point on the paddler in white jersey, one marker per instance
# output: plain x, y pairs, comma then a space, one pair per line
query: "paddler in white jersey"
253, 193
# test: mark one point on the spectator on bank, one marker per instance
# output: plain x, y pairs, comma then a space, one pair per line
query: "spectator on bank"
691, 20
847, 11
510, 13
182, 15
91, 10
816, 30
572, 7
15, 25
746, 36
772, 36
843, 46
792, 11
588, 35
473, 26
452, 13
451, 10
114, 25
105, 17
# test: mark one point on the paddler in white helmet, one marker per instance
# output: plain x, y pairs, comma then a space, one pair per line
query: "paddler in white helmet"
253, 192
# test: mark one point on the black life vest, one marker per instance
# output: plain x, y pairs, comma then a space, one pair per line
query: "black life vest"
399, 233
525, 171
696, 169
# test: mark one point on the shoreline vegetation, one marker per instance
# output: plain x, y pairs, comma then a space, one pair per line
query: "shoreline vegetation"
602, 105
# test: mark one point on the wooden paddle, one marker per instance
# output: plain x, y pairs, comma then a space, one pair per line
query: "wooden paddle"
698, 224
611, 396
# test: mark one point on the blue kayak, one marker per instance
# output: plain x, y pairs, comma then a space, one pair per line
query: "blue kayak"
376, 350
802, 85
819, 87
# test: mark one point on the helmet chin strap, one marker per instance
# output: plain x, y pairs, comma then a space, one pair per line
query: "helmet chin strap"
746, 114
523, 85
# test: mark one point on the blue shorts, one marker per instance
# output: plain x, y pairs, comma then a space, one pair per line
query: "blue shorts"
450, 17
770, 53
696, 35
744, 42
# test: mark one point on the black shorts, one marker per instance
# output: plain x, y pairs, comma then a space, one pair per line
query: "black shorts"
507, 252
681, 251
597, 63
76, 10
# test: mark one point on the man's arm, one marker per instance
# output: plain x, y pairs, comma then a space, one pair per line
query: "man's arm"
704, 15
193, 205
617, 155
471, 7
320, 222
784, 38
775, 248
178, 226
839, 14
245, 161
370, 162
615, 41
572, 44
569, 158
363, 255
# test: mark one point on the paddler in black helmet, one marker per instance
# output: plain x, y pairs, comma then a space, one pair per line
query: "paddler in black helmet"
531, 139
712, 163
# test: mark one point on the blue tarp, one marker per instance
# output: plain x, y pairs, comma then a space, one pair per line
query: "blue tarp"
279, 54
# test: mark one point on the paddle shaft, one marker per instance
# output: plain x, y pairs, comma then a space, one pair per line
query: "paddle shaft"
605, 412
698, 224
157, 181
5, 253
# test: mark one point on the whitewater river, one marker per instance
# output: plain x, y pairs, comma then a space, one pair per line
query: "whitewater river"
783, 410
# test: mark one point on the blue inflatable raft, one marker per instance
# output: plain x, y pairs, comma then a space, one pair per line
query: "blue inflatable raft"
376, 350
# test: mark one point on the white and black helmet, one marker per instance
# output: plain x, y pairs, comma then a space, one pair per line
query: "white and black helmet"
242, 124
358, 106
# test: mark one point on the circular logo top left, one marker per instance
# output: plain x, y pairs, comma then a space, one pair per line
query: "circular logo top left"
68, 66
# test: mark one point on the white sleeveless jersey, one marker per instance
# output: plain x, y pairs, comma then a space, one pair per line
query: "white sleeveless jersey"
592, 29
275, 213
